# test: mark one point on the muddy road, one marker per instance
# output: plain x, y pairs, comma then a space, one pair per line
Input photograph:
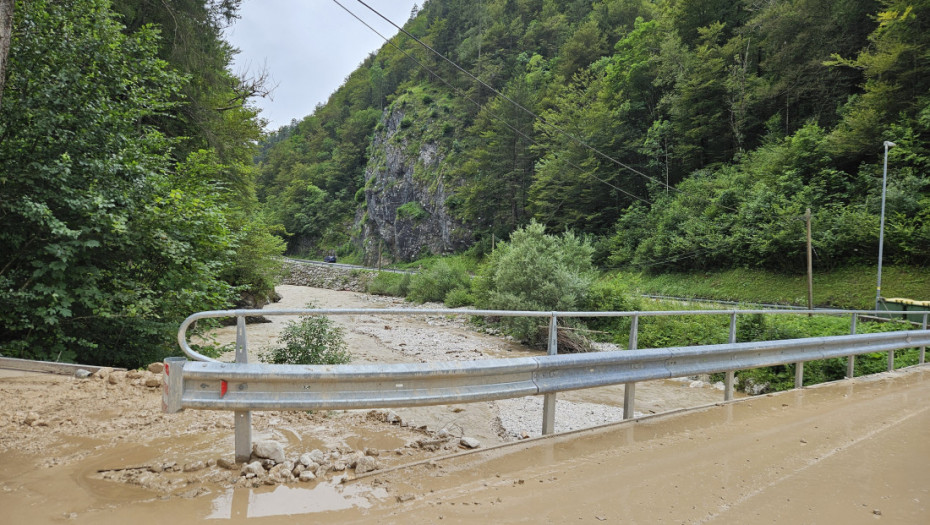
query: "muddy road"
99, 450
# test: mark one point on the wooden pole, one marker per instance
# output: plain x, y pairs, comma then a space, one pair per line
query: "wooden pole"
810, 264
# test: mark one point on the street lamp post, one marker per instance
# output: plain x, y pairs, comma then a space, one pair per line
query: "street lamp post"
881, 225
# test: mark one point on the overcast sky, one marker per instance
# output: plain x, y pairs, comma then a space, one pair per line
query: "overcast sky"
308, 47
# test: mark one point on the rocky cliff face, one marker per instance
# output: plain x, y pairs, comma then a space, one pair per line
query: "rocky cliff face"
405, 213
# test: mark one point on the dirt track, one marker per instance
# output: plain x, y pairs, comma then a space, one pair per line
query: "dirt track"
100, 451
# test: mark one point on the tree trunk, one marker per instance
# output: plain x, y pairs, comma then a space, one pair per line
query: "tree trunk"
6, 36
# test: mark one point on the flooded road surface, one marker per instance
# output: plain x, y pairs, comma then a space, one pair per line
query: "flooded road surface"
100, 451
850, 452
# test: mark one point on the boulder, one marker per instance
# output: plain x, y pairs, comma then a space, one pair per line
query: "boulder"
469, 442
365, 464
268, 449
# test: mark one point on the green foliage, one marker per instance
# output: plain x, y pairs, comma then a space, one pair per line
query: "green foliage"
106, 251
840, 288
412, 211
109, 241
716, 126
458, 297
390, 283
436, 282
314, 340
535, 271
612, 294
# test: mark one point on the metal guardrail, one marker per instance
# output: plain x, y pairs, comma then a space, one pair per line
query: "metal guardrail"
243, 387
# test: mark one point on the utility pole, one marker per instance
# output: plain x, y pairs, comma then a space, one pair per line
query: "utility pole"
881, 225
810, 264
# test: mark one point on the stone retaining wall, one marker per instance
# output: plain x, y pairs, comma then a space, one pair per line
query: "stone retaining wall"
329, 277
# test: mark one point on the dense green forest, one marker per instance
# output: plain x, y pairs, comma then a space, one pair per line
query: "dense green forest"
136, 186
127, 194
675, 135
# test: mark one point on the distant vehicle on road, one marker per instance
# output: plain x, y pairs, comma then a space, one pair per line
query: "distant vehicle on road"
329, 259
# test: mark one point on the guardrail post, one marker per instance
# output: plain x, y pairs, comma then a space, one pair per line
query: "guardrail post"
243, 418
548, 423
851, 360
730, 374
629, 389
923, 349
891, 352
172, 385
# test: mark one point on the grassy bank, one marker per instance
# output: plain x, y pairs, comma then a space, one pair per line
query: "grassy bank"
852, 287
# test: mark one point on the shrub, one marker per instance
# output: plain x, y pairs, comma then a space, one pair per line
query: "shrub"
459, 297
436, 282
311, 341
412, 210
535, 271
613, 294
387, 283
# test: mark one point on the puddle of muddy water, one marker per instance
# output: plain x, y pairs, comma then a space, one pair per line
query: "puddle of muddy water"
378, 441
285, 500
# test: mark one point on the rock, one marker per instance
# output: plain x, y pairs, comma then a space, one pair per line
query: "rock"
254, 468
280, 473
392, 417
268, 463
195, 466
306, 460
372, 452
227, 463
80, 373
365, 464
152, 381
103, 373
407, 211
316, 456
298, 468
113, 378
156, 368
134, 374
31, 419
339, 466
468, 442
269, 449
307, 475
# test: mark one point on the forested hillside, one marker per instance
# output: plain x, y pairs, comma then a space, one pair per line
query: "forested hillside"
676, 134
127, 198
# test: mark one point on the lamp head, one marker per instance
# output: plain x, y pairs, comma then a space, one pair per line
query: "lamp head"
889, 144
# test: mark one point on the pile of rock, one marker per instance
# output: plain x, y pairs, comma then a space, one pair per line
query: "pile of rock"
269, 465
329, 277
150, 378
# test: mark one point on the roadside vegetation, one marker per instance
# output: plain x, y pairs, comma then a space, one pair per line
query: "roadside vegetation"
518, 276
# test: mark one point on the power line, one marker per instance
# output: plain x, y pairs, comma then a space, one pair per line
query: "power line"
515, 103
473, 101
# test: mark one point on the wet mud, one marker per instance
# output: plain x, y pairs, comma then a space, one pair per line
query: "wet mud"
99, 450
